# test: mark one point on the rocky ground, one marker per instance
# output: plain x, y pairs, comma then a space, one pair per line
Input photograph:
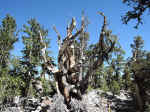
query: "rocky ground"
93, 101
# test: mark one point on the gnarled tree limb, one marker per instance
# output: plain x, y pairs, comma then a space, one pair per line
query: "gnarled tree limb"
67, 77
102, 52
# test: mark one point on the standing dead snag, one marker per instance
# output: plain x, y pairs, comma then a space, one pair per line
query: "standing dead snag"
67, 76
67, 64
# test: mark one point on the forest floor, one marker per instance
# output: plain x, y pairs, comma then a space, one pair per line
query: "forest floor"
93, 101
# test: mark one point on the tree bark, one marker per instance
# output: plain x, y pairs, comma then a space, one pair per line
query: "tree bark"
69, 76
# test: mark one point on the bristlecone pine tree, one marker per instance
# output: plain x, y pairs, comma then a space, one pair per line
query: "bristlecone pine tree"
67, 75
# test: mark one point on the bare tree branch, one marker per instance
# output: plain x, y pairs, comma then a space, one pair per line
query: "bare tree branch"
43, 50
59, 37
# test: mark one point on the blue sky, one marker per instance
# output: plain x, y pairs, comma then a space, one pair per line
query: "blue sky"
59, 12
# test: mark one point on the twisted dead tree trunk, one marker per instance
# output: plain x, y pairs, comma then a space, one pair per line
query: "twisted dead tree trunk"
68, 68
69, 80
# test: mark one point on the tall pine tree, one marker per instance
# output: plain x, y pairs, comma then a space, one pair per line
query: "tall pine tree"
32, 57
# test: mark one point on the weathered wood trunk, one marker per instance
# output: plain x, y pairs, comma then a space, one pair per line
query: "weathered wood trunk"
71, 83
68, 76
